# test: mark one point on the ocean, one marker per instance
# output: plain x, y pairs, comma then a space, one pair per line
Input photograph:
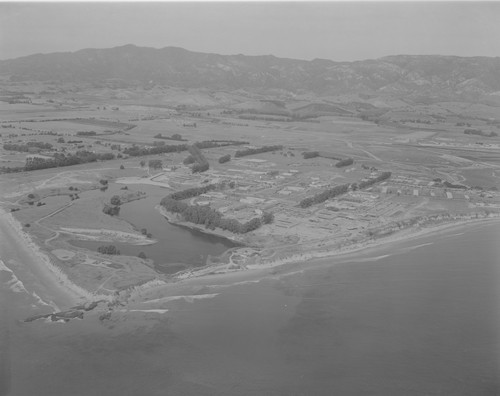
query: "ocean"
419, 317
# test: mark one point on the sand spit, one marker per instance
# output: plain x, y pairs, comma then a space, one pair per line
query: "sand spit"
104, 235
187, 298
158, 311
45, 265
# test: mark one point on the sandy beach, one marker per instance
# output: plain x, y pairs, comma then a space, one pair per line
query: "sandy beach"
20, 253
68, 293
225, 274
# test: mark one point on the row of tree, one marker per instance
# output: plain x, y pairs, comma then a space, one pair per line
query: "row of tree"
86, 133
324, 195
175, 136
196, 191
201, 163
60, 159
252, 151
206, 144
136, 151
26, 147
211, 218
108, 249
480, 132
340, 190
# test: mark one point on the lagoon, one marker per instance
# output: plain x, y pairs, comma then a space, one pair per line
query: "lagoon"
177, 247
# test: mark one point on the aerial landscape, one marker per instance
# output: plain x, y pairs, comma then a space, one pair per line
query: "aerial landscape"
190, 223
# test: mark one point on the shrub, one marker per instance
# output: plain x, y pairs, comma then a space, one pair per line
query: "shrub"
109, 249
344, 162
224, 158
115, 200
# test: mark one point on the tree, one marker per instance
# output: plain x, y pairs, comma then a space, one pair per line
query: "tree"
115, 200
310, 154
189, 160
142, 163
344, 162
267, 218
155, 164
109, 249
142, 255
122, 167
224, 158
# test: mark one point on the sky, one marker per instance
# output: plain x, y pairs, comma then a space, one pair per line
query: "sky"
340, 31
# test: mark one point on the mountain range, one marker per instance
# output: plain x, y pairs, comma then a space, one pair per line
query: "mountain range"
432, 75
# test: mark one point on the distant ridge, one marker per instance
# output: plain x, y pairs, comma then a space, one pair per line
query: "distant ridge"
173, 66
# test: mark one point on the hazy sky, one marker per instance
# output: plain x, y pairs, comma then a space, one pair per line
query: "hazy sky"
305, 30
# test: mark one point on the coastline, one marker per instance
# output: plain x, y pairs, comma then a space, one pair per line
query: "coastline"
376, 244
354, 249
75, 294
40, 264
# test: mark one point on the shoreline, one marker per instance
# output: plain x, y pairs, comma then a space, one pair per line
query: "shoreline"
353, 249
106, 235
55, 276
376, 244
197, 279
172, 219
41, 265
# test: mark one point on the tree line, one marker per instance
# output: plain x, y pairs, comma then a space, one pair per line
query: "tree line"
339, 164
60, 160
201, 163
324, 195
86, 133
136, 151
251, 151
480, 133
26, 147
208, 216
340, 190
175, 136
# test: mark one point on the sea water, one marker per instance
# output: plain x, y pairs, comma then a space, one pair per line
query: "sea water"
421, 318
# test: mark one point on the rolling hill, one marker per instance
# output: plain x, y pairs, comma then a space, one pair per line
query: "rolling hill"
408, 75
